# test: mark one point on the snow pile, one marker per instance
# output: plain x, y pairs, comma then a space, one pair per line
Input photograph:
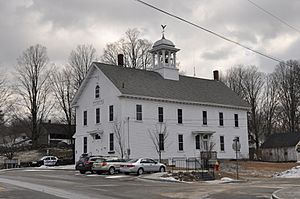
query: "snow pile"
226, 179
170, 179
221, 181
291, 173
69, 167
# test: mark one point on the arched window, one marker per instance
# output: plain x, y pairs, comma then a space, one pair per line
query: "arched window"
97, 91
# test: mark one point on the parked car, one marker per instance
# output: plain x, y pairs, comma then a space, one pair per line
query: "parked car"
47, 161
110, 165
142, 165
85, 163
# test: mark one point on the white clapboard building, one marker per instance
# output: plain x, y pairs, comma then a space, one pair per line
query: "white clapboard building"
119, 108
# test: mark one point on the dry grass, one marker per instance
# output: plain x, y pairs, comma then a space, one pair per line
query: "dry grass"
248, 169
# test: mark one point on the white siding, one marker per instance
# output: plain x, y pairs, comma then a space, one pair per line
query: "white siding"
87, 101
139, 140
141, 144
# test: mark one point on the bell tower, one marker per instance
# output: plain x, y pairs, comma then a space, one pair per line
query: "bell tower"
164, 57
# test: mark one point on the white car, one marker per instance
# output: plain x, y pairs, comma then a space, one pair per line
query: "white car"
142, 165
46, 160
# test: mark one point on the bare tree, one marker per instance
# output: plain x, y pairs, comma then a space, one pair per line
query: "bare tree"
158, 137
248, 83
80, 60
7, 148
288, 78
270, 104
233, 79
64, 92
5, 92
33, 87
134, 49
120, 138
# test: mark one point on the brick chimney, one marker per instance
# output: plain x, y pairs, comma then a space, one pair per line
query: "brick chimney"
120, 60
216, 75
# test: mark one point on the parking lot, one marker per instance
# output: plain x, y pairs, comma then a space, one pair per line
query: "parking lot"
51, 183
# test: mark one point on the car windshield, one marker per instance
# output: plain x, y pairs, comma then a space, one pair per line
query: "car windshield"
132, 160
99, 160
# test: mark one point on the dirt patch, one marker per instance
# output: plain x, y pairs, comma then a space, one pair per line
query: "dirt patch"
188, 176
253, 168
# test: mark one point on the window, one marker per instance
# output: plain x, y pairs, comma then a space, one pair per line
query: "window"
97, 136
180, 142
236, 120
97, 92
179, 114
222, 144
84, 118
111, 113
205, 142
197, 139
160, 114
84, 144
204, 116
139, 112
161, 142
111, 142
221, 120
97, 115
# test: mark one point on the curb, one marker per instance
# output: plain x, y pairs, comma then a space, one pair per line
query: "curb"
36, 168
274, 196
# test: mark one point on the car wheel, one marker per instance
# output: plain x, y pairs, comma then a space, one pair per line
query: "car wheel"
140, 171
82, 171
111, 170
162, 169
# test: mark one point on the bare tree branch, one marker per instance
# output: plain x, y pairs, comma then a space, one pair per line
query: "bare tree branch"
34, 87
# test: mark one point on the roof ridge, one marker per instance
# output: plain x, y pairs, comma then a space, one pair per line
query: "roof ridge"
144, 70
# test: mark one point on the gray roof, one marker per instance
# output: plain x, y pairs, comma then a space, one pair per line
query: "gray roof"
138, 82
281, 140
54, 128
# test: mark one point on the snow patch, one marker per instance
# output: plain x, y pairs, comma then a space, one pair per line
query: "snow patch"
34, 170
169, 179
71, 167
116, 176
92, 175
226, 179
291, 173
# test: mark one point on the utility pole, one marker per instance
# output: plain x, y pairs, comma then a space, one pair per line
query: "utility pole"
236, 146
128, 146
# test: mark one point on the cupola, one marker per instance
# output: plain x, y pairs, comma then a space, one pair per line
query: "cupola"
164, 58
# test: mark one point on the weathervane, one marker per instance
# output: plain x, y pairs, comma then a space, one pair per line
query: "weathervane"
163, 30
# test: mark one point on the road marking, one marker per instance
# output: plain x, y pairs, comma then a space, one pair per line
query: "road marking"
33, 170
2, 189
49, 190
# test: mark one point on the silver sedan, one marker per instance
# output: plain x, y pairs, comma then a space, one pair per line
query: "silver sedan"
142, 165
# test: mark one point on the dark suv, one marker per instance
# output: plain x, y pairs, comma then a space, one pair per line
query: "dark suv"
85, 163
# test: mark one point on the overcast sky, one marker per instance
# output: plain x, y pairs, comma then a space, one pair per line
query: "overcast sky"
61, 25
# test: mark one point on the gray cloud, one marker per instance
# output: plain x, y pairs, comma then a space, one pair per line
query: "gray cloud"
60, 25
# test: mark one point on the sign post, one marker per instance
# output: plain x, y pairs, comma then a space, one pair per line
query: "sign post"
236, 146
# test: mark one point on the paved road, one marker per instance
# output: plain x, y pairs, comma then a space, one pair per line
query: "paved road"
54, 184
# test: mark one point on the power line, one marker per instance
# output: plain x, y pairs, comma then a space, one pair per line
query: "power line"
274, 16
210, 31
